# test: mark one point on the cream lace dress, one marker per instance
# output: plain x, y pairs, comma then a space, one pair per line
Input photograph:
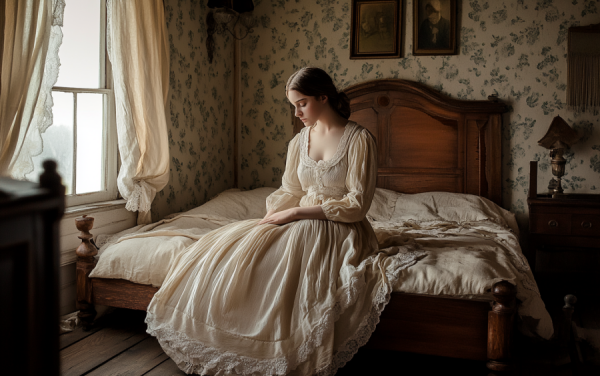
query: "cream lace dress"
299, 298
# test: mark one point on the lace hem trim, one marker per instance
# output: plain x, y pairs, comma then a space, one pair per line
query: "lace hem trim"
203, 359
366, 328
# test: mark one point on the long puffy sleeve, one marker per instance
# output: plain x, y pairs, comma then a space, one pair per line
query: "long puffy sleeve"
360, 182
290, 193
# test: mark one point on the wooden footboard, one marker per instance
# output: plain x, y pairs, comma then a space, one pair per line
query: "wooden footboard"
433, 326
457, 328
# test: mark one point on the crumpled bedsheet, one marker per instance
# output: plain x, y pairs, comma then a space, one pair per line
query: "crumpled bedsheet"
470, 244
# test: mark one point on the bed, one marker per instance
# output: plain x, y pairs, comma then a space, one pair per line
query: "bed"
427, 142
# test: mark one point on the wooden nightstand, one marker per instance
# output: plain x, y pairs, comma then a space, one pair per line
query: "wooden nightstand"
569, 221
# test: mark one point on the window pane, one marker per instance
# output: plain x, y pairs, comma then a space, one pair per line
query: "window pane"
89, 142
58, 141
80, 50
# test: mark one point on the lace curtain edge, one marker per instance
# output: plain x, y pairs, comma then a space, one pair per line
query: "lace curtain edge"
42, 119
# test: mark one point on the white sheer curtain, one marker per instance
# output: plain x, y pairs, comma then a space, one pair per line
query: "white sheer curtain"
32, 36
139, 53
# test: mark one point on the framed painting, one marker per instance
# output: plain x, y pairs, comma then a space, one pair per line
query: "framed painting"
375, 31
434, 27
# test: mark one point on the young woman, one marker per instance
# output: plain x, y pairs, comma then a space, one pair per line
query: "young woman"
299, 291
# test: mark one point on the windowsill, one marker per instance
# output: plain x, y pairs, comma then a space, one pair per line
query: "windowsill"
74, 211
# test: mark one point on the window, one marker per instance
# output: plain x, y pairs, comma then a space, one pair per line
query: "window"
82, 138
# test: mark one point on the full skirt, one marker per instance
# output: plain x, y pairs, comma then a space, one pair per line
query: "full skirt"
298, 299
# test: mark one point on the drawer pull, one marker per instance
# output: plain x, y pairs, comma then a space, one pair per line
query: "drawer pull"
586, 224
553, 223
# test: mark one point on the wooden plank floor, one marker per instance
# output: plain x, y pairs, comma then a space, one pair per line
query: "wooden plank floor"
119, 345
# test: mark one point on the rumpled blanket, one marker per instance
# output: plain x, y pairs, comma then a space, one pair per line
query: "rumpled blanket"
470, 243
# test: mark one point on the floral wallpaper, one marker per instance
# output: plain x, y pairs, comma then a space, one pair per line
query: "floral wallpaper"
516, 49
200, 111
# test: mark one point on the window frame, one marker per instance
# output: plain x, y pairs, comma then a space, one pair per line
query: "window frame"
109, 131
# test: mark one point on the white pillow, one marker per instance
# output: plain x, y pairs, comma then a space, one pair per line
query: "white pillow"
241, 205
236, 204
383, 205
146, 258
438, 206
387, 205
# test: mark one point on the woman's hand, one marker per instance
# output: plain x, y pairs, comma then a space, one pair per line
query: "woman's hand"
294, 214
280, 218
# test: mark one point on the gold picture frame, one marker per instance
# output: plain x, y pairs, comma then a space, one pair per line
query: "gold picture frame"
376, 29
434, 27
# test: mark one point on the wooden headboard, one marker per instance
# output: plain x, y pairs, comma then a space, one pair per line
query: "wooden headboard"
428, 141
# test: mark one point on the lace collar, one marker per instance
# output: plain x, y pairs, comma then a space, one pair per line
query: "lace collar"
339, 153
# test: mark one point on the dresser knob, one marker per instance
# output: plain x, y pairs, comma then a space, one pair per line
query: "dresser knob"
586, 224
553, 223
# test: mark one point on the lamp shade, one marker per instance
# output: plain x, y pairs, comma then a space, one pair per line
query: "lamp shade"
559, 135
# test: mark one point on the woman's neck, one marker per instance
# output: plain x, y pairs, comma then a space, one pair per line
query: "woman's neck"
330, 120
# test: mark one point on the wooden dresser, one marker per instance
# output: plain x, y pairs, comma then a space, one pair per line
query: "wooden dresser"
29, 260
567, 222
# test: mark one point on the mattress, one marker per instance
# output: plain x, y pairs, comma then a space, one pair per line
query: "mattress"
470, 243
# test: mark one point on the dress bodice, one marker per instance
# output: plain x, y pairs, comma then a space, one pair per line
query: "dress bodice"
325, 179
346, 179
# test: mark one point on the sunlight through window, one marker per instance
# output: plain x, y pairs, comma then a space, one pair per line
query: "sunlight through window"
79, 137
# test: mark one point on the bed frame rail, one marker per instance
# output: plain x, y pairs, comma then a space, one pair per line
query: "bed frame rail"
465, 329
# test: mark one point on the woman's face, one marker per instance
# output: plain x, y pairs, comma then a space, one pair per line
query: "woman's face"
308, 108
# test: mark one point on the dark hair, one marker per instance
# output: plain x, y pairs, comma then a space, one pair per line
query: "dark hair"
315, 82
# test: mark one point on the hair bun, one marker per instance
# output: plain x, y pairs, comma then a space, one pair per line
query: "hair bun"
343, 105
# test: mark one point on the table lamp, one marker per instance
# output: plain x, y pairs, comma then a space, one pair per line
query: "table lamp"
560, 136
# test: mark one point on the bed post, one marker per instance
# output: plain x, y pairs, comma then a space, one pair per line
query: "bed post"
500, 326
85, 264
